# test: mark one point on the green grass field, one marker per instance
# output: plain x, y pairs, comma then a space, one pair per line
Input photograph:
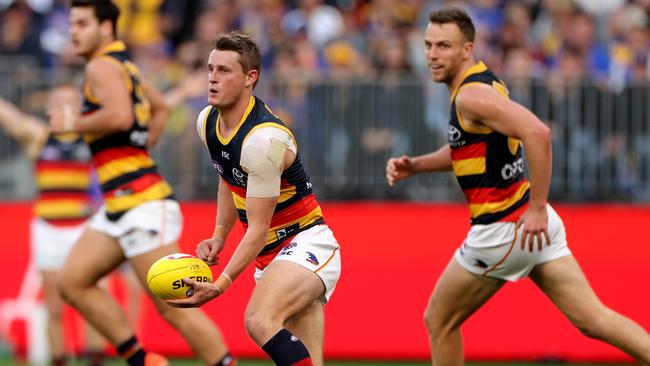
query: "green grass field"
185, 362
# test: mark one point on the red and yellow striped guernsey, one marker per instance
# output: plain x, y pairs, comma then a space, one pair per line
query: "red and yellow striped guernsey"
63, 179
127, 174
297, 208
487, 164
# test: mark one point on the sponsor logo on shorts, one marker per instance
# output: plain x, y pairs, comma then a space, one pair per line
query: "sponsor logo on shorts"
288, 249
311, 258
480, 264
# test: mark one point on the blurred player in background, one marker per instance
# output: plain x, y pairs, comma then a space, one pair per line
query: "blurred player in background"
262, 180
140, 221
63, 179
515, 233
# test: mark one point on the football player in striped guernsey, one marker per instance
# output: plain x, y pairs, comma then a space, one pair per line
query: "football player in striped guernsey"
140, 221
263, 184
63, 205
515, 232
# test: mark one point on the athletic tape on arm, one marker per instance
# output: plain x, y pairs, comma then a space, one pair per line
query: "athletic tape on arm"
262, 156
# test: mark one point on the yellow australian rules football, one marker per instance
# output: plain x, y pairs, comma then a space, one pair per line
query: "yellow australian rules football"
164, 277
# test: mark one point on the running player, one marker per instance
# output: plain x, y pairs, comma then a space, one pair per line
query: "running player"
262, 181
63, 179
139, 221
515, 233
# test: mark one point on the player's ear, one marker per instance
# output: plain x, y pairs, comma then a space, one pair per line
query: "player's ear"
467, 50
251, 77
106, 28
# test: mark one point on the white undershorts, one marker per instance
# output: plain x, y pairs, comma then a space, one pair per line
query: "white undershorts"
492, 250
51, 244
143, 228
317, 250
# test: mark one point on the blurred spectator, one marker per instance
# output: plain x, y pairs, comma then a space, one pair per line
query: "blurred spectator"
321, 22
20, 32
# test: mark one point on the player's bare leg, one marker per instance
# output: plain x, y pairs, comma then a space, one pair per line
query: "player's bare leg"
457, 295
54, 305
564, 283
309, 326
197, 329
93, 256
284, 290
95, 343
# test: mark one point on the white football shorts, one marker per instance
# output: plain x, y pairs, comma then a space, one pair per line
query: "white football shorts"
51, 244
143, 228
317, 250
494, 250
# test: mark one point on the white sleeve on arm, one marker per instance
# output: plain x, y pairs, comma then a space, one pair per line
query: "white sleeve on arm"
262, 155
200, 122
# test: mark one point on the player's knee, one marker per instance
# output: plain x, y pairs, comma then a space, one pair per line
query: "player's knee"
169, 314
258, 326
68, 291
434, 326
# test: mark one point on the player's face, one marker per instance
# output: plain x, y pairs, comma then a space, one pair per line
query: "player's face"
84, 31
227, 81
445, 49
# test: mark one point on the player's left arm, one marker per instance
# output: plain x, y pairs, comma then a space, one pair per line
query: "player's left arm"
481, 103
108, 84
264, 165
160, 112
30, 131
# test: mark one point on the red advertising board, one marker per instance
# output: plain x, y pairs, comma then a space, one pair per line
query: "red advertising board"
392, 254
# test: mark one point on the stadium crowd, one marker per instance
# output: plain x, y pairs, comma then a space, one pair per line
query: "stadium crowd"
559, 43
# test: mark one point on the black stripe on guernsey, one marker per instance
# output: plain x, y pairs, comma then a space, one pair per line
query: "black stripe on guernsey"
496, 216
126, 178
485, 181
115, 140
278, 208
114, 216
275, 244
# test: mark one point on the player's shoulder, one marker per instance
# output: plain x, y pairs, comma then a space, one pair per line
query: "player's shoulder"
269, 134
204, 113
102, 68
201, 121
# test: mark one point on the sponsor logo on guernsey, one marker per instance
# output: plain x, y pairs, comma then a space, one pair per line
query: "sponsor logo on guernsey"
225, 155
217, 167
311, 258
239, 176
510, 171
454, 133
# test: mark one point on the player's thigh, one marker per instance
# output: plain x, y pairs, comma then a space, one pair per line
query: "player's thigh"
563, 281
285, 289
458, 294
93, 256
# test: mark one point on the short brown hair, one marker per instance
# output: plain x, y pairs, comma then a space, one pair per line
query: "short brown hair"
250, 57
456, 16
104, 10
